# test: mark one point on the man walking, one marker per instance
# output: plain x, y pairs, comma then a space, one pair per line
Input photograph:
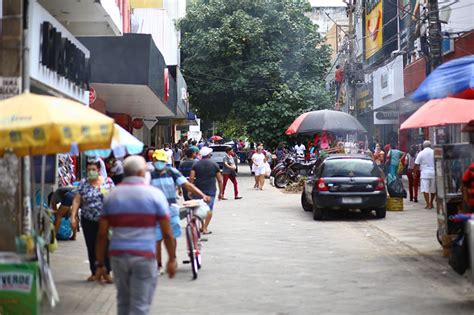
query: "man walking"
186, 166
229, 172
204, 175
425, 162
132, 211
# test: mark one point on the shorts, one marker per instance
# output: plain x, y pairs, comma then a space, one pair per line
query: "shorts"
259, 170
428, 185
175, 227
68, 198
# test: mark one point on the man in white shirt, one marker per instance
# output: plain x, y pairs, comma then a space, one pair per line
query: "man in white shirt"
300, 148
425, 162
169, 154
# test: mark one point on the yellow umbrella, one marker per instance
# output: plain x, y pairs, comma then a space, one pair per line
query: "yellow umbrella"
32, 124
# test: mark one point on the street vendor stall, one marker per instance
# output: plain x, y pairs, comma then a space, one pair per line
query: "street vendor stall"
35, 125
449, 92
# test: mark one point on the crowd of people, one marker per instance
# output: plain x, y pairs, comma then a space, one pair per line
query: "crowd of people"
127, 208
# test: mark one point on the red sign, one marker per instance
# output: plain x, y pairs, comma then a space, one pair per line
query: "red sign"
137, 123
167, 86
92, 95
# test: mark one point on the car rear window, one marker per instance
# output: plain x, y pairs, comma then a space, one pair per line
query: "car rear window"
220, 148
350, 168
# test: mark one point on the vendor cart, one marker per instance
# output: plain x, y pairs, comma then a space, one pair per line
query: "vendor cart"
450, 162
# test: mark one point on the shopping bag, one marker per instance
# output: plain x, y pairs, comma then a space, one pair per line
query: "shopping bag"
268, 169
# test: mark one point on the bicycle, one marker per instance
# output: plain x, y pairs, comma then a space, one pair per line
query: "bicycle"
195, 213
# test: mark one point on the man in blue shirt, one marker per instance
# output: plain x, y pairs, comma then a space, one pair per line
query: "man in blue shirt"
168, 179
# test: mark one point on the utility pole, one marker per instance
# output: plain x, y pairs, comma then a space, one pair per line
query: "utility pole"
434, 34
11, 68
349, 73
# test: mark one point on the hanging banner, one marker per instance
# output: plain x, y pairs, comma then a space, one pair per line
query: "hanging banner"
373, 27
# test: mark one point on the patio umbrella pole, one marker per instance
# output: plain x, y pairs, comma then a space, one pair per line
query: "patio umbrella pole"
26, 196
40, 215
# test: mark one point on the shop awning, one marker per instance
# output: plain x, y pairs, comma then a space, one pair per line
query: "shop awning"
128, 73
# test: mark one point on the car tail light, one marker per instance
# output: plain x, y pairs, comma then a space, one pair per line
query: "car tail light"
321, 185
380, 185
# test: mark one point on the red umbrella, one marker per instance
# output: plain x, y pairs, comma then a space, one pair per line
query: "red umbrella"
215, 138
440, 112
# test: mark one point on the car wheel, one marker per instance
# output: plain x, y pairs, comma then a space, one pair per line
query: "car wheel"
304, 203
282, 180
380, 213
318, 213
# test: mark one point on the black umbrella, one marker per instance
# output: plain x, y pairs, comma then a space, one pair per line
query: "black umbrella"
325, 120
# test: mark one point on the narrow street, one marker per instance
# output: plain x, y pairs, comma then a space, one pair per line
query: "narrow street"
267, 256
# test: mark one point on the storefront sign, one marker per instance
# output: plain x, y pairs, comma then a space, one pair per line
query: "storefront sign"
386, 118
137, 123
57, 59
9, 87
373, 27
365, 98
388, 83
407, 20
92, 95
150, 122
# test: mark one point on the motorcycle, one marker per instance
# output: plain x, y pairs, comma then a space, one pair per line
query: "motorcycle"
290, 170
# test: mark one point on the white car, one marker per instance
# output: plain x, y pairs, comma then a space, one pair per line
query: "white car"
218, 154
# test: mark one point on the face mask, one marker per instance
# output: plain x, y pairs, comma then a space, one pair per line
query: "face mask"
166, 149
160, 165
92, 174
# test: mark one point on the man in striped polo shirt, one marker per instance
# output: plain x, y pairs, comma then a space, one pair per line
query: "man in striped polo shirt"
133, 210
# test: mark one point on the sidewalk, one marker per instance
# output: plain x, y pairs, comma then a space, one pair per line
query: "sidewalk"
267, 256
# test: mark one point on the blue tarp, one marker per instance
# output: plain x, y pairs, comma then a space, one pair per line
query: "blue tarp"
449, 79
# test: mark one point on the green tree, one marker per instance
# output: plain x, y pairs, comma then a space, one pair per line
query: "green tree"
257, 63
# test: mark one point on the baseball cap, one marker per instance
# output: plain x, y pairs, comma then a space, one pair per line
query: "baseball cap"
160, 155
205, 151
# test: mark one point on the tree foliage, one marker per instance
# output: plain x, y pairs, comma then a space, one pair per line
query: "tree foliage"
259, 63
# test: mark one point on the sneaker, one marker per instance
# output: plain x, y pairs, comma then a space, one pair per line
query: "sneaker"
161, 270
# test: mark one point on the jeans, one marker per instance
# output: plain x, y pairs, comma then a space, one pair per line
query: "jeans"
233, 180
90, 230
413, 183
135, 278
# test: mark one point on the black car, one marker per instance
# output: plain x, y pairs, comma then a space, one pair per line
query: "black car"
345, 182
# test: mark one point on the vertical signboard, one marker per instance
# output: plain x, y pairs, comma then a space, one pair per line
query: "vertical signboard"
373, 27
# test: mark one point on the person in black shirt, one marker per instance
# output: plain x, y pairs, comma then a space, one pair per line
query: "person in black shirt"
186, 166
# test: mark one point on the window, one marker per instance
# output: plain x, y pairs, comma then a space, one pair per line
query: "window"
347, 167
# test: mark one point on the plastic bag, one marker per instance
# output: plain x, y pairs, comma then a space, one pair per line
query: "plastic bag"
202, 210
65, 230
268, 169
396, 190
459, 257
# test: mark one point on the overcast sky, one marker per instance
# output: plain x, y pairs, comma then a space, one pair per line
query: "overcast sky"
327, 3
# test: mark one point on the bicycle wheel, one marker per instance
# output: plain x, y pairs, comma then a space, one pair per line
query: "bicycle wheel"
197, 244
191, 251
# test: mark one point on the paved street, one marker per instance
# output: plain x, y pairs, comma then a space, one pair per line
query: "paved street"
267, 256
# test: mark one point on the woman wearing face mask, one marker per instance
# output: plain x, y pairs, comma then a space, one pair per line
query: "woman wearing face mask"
258, 167
90, 196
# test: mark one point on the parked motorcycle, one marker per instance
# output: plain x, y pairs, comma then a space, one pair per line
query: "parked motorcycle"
290, 170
